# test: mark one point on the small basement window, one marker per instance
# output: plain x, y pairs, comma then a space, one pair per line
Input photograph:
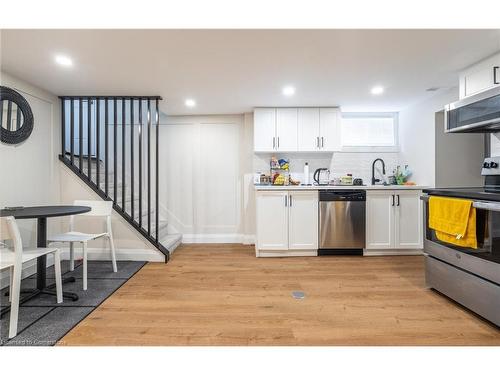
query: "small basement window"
365, 132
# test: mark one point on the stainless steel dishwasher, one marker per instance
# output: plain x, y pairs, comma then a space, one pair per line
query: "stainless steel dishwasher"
342, 217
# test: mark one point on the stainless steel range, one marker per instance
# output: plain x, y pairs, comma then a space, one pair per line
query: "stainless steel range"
469, 276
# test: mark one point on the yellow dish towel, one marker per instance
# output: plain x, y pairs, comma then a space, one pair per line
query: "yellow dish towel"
454, 221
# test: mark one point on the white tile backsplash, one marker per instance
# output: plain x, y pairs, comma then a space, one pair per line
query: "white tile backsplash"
359, 164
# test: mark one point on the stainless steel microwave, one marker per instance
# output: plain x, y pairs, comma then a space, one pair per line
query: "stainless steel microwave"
479, 113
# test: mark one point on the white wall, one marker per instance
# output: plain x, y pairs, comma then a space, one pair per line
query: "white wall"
417, 135
30, 173
201, 176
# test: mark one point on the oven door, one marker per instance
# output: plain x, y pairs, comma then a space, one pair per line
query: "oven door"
483, 261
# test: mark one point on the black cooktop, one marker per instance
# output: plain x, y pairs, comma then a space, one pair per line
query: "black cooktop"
480, 193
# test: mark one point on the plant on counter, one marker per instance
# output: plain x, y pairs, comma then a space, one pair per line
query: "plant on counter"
402, 175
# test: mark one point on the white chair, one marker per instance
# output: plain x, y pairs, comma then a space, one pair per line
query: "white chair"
98, 209
12, 258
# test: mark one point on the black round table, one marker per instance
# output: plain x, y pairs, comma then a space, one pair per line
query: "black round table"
41, 213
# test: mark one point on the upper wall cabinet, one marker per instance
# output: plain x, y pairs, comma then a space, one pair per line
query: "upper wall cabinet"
286, 129
480, 77
296, 129
264, 129
329, 129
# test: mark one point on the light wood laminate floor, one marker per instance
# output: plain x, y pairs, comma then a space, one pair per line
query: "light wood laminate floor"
223, 295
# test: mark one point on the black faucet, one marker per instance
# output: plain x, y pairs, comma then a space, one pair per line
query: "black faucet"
374, 180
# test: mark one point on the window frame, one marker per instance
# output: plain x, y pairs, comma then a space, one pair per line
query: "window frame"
393, 148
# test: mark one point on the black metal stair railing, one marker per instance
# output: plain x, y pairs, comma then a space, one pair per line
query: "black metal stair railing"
96, 147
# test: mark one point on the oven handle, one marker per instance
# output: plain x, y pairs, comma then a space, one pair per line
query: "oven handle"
490, 206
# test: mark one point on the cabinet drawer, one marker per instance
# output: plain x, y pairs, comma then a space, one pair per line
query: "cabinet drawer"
475, 293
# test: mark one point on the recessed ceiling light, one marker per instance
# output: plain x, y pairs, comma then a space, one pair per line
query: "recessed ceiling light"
63, 60
288, 90
190, 103
377, 90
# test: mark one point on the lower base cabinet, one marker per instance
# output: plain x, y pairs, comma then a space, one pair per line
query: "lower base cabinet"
393, 221
287, 223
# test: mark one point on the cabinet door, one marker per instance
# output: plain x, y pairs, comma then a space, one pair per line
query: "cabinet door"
303, 220
272, 220
329, 128
408, 220
480, 80
286, 129
481, 76
264, 129
308, 125
380, 219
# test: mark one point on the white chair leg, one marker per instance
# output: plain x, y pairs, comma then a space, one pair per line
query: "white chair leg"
71, 257
57, 268
14, 306
11, 281
84, 265
113, 255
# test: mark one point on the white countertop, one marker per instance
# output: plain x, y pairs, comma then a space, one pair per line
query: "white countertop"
340, 187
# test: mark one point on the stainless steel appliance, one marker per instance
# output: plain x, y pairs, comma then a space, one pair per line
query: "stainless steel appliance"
341, 222
469, 276
321, 176
479, 113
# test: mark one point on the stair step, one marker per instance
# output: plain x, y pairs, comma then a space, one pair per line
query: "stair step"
171, 241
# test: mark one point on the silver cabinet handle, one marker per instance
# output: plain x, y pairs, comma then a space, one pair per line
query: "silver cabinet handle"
322, 142
392, 196
274, 143
398, 199
286, 200
278, 142
495, 71
290, 200
317, 142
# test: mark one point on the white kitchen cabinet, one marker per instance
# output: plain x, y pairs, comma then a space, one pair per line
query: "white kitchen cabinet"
480, 77
272, 220
308, 129
287, 223
380, 220
286, 129
303, 220
264, 129
329, 129
408, 220
296, 129
394, 220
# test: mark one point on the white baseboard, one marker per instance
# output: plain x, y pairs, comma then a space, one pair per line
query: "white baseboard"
379, 252
219, 238
211, 238
144, 255
248, 239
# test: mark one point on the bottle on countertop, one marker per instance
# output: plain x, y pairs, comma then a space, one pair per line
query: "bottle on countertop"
306, 174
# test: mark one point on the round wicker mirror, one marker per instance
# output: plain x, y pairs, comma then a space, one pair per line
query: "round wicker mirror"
16, 117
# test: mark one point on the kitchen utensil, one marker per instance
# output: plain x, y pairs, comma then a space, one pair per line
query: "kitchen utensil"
322, 176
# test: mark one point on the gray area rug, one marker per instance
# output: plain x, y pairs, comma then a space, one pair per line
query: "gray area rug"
43, 322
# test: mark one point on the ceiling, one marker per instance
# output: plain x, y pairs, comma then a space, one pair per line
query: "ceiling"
231, 71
